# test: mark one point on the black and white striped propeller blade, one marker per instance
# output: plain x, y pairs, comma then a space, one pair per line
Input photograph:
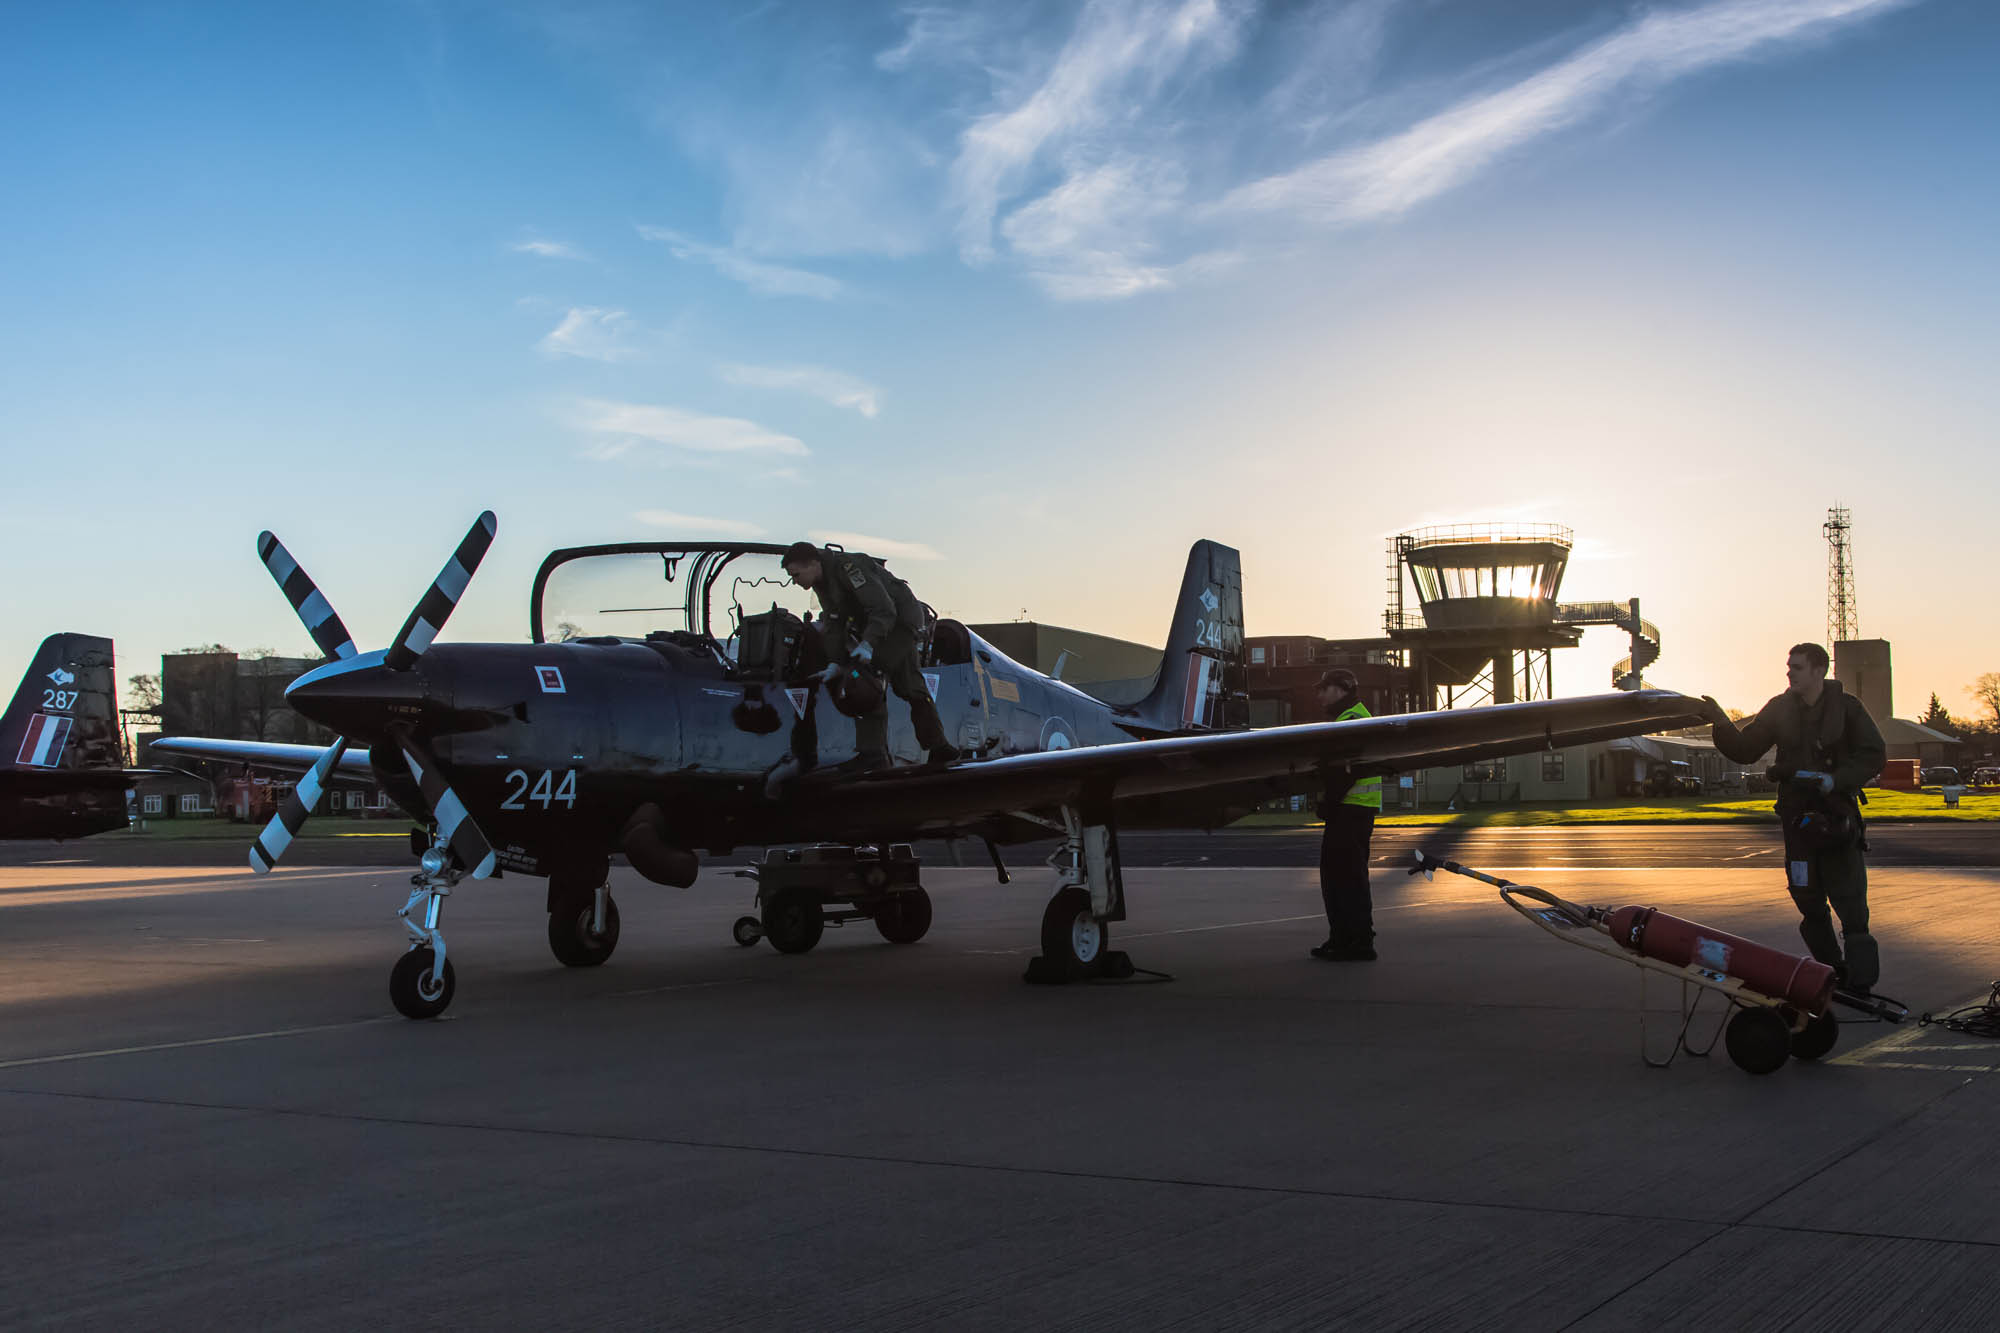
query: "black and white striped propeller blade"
468, 844
436, 606
306, 598
291, 817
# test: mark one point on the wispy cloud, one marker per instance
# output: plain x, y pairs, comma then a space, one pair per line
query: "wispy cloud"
1088, 239
880, 546
547, 249
1394, 174
1115, 43
934, 35
764, 278
592, 334
722, 527
628, 427
830, 386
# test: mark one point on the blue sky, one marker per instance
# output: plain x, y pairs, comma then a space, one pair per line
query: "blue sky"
1032, 295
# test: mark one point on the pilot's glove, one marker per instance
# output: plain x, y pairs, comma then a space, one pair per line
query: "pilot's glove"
829, 673
1808, 778
864, 653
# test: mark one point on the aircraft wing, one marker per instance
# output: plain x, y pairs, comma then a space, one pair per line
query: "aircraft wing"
261, 754
1283, 759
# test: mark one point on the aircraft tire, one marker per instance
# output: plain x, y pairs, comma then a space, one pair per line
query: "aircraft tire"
1759, 1040
793, 921
1816, 1038
904, 918
410, 984
1073, 940
569, 932
747, 931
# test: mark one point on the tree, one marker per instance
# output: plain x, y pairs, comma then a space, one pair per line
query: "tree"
260, 697
142, 694
1986, 690
1934, 716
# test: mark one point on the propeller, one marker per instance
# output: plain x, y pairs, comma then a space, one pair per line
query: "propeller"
467, 843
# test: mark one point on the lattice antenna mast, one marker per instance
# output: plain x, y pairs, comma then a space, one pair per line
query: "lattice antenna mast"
1842, 621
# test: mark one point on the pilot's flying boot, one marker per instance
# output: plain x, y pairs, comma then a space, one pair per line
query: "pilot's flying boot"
866, 761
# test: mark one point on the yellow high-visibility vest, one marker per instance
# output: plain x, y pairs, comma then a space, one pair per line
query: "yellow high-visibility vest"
1365, 791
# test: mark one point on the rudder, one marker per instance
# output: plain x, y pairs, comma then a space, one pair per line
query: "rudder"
1200, 669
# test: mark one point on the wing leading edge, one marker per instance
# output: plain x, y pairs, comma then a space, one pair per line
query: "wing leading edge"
261, 754
1286, 758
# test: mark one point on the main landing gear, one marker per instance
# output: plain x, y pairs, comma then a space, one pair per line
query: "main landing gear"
796, 887
583, 919
421, 983
1076, 928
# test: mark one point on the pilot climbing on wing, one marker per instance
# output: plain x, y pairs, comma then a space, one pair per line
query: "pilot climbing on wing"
870, 622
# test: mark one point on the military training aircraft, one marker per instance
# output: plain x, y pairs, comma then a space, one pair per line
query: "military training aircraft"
669, 704
62, 763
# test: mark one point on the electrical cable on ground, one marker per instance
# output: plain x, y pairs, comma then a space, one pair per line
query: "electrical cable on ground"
1974, 1020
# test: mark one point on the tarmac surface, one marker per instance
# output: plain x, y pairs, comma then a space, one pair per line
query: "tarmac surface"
211, 1111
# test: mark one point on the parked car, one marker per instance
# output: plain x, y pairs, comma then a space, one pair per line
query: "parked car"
1938, 777
1986, 777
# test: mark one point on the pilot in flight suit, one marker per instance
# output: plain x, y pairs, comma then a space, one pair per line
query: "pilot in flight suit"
872, 619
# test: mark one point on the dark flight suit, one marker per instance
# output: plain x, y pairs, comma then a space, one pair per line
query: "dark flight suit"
1349, 808
1836, 736
864, 603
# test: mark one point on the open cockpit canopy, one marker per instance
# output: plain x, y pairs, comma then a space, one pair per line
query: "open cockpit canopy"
690, 592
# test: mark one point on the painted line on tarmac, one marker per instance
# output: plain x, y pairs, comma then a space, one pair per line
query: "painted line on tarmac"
1912, 1041
1934, 1069
683, 985
1286, 920
199, 1041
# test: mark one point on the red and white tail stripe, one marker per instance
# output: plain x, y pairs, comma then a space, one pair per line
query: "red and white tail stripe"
42, 746
1200, 675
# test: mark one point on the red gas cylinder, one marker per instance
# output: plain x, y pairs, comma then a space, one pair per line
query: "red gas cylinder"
1802, 982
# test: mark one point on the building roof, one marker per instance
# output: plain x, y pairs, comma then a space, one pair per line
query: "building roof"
1902, 731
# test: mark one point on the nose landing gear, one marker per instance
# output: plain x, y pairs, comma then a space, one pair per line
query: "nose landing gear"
421, 984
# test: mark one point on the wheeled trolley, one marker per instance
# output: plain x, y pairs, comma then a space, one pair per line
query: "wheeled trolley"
802, 890
1776, 1005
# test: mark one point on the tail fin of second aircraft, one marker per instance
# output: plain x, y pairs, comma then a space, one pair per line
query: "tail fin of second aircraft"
1204, 645
64, 717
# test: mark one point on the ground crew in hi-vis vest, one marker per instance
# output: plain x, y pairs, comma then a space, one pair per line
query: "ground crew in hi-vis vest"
1828, 749
1349, 806
872, 620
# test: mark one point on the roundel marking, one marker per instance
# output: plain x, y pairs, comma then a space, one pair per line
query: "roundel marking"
1056, 735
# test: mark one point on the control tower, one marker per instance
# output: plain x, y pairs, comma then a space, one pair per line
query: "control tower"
1488, 618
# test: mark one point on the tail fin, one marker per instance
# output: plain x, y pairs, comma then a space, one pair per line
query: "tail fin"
64, 718
1202, 669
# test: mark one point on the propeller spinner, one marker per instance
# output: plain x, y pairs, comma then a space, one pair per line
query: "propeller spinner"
468, 844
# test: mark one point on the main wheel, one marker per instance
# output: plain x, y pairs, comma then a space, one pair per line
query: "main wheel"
904, 917
570, 936
1073, 939
1759, 1040
793, 921
411, 988
747, 931
1816, 1038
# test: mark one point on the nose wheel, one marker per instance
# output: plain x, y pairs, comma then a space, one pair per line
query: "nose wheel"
418, 987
